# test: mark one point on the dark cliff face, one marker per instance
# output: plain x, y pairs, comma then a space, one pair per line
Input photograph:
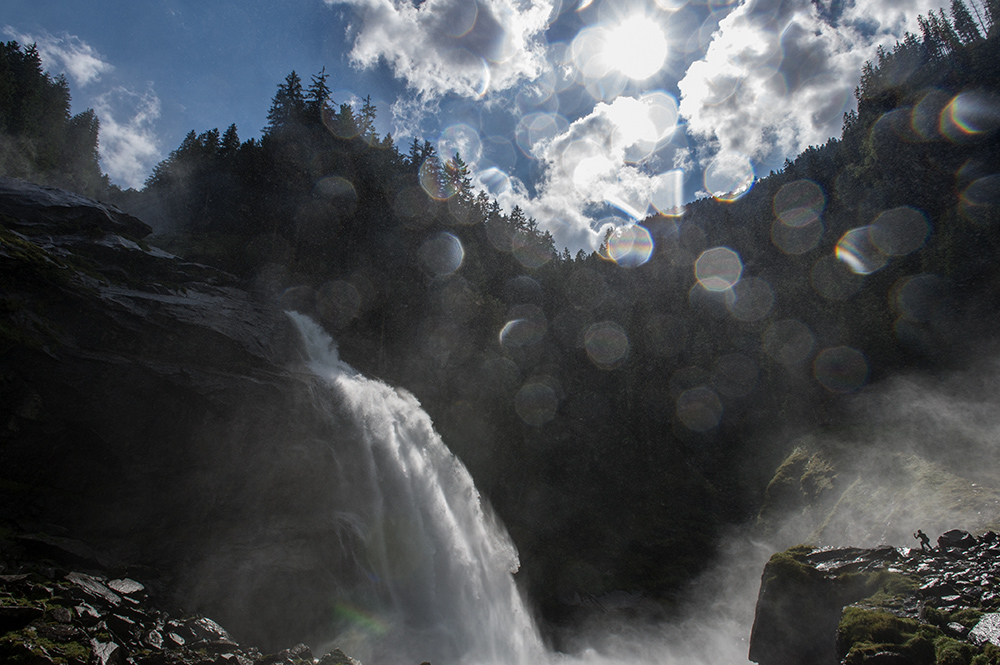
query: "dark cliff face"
150, 407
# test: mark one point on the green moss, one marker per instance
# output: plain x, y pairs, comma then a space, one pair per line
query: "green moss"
949, 651
863, 633
818, 476
859, 625
990, 656
787, 568
967, 616
26, 647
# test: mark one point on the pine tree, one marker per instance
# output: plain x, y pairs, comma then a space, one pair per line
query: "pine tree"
366, 121
288, 107
992, 11
456, 174
230, 142
931, 43
946, 32
81, 154
964, 24
318, 95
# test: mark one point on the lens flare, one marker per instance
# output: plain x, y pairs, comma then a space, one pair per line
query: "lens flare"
635, 47
536, 402
799, 203
900, 231
788, 341
536, 128
520, 332
460, 18
496, 181
734, 375
463, 140
530, 250
699, 409
441, 254
607, 344
750, 299
718, 269
630, 246
433, 182
800, 238
668, 193
919, 298
969, 116
858, 250
833, 279
841, 369
980, 201
729, 176
925, 119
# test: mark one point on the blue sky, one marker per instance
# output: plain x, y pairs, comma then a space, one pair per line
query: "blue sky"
584, 112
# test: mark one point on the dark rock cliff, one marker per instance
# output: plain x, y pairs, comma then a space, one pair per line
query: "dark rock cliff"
139, 404
885, 605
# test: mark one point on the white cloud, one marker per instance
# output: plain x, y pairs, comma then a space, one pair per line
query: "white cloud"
466, 47
129, 145
79, 60
779, 74
599, 163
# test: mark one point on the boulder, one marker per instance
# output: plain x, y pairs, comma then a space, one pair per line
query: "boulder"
956, 538
883, 605
987, 630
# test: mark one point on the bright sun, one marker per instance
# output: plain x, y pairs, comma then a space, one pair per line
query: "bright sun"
636, 47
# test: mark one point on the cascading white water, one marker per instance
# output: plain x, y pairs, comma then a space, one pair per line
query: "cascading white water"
429, 568
436, 579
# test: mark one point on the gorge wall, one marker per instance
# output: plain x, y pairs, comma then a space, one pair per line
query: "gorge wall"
149, 408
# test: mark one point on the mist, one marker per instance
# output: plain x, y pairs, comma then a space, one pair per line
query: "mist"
913, 452
917, 451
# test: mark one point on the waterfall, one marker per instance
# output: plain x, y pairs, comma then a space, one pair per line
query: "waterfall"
435, 574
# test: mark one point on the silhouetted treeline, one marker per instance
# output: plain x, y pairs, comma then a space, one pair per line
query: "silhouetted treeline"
39, 140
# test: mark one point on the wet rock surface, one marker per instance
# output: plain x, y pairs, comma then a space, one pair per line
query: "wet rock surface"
152, 414
883, 605
53, 616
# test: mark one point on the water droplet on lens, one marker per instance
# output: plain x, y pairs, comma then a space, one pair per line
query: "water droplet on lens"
607, 344
718, 269
858, 250
899, 231
751, 299
833, 279
841, 369
441, 254
788, 341
699, 409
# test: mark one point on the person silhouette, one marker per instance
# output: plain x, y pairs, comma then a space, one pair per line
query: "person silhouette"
925, 542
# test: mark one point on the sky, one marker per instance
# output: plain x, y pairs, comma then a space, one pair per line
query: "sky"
583, 112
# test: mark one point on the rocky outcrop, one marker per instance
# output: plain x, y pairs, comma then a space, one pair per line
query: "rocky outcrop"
51, 615
149, 408
883, 605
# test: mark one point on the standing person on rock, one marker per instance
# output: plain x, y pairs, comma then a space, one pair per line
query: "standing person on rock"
925, 542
